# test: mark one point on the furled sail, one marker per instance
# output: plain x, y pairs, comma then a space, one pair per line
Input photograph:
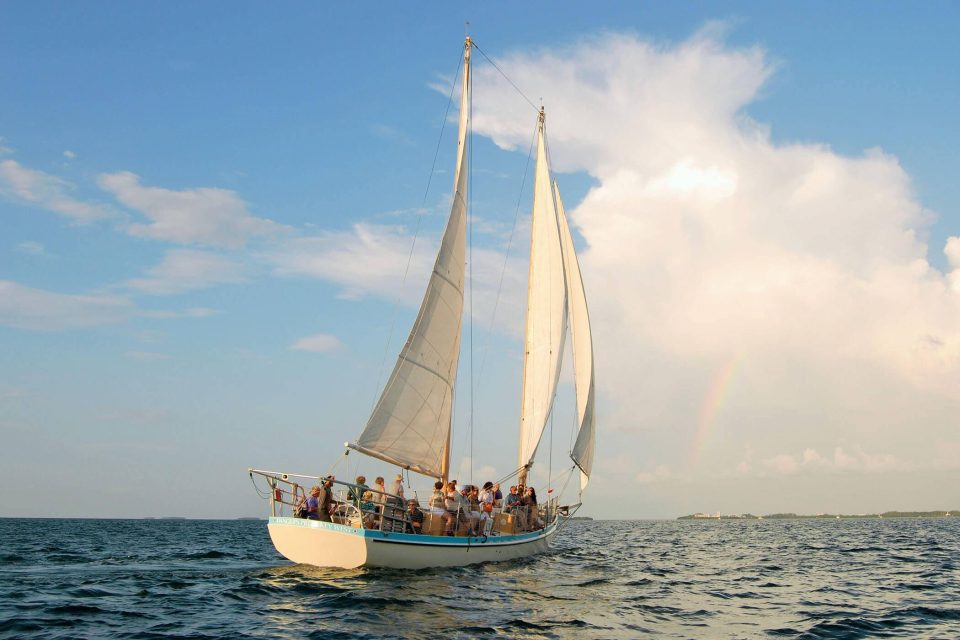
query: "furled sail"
546, 311
410, 425
582, 343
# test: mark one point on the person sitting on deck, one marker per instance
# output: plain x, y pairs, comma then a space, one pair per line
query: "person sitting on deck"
438, 507
487, 499
472, 496
497, 495
415, 517
470, 510
452, 503
515, 508
368, 509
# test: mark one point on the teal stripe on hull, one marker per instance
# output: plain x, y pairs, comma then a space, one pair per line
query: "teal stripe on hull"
451, 541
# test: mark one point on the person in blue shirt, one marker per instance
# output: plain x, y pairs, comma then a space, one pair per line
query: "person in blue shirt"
313, 504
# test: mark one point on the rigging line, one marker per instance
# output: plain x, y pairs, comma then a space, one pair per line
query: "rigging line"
416, 234
506, 259
506, 77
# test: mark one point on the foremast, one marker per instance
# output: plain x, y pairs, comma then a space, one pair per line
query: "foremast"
411, 422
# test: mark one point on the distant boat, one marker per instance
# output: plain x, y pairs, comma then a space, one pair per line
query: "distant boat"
411, 423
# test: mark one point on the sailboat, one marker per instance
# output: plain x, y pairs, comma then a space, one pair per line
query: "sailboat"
410, 425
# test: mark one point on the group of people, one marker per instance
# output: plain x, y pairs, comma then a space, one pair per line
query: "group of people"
472, 506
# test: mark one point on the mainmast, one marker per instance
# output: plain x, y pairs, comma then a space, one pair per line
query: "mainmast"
546, 319
461, 162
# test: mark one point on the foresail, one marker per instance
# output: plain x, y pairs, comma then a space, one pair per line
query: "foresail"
546, 311
582, 343
410, 425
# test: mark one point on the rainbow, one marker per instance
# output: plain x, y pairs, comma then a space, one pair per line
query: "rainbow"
713, 401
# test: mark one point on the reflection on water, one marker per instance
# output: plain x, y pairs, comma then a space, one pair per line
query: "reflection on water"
64, 579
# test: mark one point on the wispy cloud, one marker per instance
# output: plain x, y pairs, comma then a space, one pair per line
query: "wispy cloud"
147, 356
48, 192
317, 343
31, 248
216, 217
390, 133
366, 260
188, 270
27, 308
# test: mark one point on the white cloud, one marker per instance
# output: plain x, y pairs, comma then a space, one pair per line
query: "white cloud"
318, 343
798, 273
188, 270
369, 260
27, 308
210, 216
4, 149
952, 251
69, 155
48, 192
810, 461
366, 260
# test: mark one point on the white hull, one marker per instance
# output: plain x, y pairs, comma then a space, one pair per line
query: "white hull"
325, 544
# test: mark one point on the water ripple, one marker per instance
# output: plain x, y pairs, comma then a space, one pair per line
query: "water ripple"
223, 579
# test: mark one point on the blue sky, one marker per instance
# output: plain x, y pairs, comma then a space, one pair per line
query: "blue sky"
146, 361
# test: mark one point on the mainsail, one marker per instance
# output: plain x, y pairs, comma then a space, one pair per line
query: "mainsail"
582, 344
546, 311
410, 425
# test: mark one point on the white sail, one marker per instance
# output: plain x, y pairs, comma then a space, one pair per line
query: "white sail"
546, 312
410, 425
581, 341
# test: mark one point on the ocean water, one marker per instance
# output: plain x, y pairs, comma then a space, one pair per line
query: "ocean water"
604, 579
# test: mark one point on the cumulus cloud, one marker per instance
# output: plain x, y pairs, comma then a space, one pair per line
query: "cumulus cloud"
48, 192
709, 243
317, 343
27, 308
216, 217
188, 270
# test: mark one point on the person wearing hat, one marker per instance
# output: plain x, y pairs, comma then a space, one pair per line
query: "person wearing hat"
397, 487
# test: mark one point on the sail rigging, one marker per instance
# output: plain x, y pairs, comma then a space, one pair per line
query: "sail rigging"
546, 311
581, 341
410, 424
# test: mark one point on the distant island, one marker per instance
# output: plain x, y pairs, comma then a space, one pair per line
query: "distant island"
825, 516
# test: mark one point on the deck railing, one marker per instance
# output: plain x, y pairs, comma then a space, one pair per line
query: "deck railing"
389, 513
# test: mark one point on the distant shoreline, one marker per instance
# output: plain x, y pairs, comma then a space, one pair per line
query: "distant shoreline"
826, 516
